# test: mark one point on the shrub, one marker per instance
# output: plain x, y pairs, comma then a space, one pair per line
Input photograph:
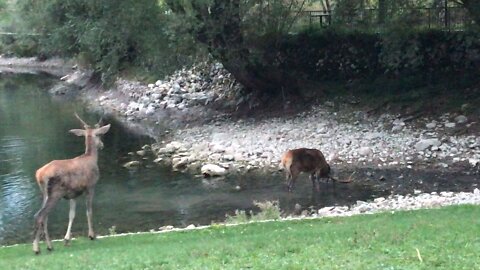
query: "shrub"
268, 210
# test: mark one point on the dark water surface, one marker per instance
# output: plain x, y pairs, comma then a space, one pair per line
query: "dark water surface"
34, 130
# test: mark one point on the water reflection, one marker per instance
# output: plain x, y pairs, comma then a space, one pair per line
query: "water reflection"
34, 130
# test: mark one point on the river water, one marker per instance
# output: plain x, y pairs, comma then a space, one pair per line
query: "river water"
34, 130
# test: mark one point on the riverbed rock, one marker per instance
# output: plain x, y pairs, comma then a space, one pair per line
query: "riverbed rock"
461, 119
426, 143
365, 151
209, 170
431, 125
166, 228
141, 152
450, 125
179, 163
132, 164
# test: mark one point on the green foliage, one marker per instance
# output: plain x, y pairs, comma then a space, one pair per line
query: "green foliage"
334, 55
445, 239
109, 36
112, 230
236, 32
240, 217
269, 210
331, 55
430, 52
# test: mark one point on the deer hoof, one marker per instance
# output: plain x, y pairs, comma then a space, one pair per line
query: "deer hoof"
37, 252
92, 237
50, 248
66, 242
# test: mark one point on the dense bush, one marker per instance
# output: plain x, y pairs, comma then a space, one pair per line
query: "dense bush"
332, 55
20, 45
430, 52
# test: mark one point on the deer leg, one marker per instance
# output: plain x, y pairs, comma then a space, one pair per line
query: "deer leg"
71, 217
45, 226
47, 237
90, 193
293, 177
36, 232
40, 221
315, 181
288, 179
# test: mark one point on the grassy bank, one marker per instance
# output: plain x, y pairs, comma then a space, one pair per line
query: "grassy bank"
445, 238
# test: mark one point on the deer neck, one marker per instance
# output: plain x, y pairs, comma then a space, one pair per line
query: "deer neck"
90, 148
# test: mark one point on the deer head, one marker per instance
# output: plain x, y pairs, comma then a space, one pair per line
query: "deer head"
90, 132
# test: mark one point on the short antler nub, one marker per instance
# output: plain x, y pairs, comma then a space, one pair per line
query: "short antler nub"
85, 125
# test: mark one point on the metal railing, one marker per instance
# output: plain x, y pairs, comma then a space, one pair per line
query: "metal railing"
445, 18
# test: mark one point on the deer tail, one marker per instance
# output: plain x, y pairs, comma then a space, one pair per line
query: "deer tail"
286, 162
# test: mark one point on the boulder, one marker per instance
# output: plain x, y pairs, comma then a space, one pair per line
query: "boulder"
212, 170
179, 163
426, 143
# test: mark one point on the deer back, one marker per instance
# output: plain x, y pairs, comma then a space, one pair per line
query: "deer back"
305, 160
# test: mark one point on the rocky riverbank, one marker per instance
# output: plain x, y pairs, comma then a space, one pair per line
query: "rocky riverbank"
198, 138
349, 137
186, 113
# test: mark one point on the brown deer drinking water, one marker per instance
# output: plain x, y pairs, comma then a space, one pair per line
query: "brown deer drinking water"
305, 160
69, 179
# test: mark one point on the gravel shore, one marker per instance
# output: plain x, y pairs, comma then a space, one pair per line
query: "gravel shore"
343, 131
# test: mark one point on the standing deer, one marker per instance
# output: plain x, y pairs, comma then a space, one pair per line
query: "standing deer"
69, 179
305, 160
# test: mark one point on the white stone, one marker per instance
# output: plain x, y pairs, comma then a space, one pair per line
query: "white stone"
365, 151
131, 164
213, 170
398, 122
461, 119
431, 125
473, 161
397, 128
450, 125
426, 143
166, 228
179, 163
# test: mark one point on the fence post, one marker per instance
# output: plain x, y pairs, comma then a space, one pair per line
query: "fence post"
446, 15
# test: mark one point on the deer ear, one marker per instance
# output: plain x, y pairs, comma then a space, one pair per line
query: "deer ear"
102, 130
78, 132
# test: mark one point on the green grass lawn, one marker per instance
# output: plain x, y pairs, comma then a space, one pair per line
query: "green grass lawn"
447, 238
